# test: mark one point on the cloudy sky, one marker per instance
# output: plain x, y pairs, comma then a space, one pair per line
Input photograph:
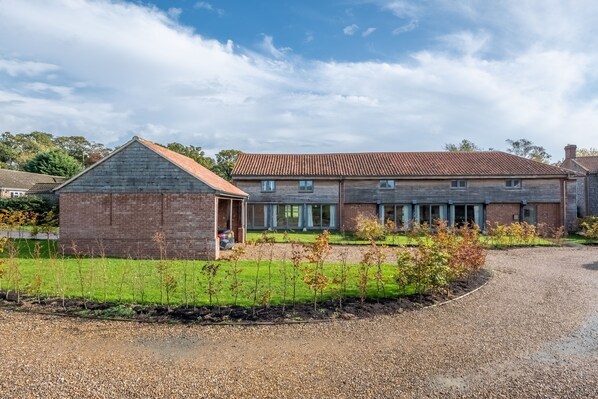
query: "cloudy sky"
303, 76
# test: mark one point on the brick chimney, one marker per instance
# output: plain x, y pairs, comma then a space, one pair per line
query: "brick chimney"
571, 151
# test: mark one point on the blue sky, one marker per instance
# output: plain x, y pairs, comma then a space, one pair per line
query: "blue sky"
303, 76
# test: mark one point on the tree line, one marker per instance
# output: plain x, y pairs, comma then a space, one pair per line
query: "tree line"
522, 147
41, 152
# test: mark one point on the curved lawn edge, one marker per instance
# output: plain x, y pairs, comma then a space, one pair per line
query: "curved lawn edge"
244, 316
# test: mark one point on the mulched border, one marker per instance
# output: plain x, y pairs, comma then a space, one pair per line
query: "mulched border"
238, 315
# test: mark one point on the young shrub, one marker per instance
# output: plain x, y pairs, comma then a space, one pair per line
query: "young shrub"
236, 285
589, 227
297, 256
368, 228
170, 286
318, 251
213, 285
339, 281
405, 272
379, 256
285, 280
363, 273
80, 272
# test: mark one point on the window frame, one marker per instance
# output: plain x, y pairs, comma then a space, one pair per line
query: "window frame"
264, 186
305, 188
386, 184
458, 185
511, 186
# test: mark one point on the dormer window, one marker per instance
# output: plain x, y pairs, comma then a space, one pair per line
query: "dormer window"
387, 184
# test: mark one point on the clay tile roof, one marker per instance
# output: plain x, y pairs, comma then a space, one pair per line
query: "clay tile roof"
196, 170
393, 164
589, 163
25, 180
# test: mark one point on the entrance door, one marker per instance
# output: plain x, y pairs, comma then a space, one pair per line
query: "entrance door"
530, 214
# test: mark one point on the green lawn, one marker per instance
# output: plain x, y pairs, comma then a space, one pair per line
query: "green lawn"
579, 239
138, 281
335, 238
395, 239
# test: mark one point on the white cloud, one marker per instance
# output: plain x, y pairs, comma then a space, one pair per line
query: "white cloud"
204, 5
350, 30
270, 49
15, 67
109, 70
174, 12
368, 32
405, 28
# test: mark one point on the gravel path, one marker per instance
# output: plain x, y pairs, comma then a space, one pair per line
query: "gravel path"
532, 332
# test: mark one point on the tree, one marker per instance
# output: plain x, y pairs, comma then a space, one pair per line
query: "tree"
464, 145
82, 149
526, 149
193, 152
55, 162
225, 162
17, 149
587, 152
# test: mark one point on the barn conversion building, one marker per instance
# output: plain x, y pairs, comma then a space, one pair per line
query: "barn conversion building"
119, 204
328, 191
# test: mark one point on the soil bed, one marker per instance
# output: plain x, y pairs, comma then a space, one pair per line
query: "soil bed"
302, 312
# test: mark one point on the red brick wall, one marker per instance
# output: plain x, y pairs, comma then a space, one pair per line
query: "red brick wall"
502, 213
351, 211
549, 214
124, 224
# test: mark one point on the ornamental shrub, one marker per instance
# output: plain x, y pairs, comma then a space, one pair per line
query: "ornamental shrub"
589, 227
368, 228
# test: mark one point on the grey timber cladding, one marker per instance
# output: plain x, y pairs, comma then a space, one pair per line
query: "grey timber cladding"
136, 168
439, 191
593, 194
287, 191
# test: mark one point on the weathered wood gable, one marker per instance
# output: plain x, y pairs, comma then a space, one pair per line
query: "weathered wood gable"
135, 168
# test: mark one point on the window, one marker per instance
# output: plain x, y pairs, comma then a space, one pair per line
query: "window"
289, 216
430, 213
268, 185
387, 184
458, 184
462, 215
306, 186
513, 183
15, 194
399, 215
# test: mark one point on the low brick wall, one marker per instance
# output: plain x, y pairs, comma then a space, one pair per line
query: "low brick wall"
125, 224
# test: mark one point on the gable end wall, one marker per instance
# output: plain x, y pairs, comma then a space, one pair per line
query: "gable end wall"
136, 169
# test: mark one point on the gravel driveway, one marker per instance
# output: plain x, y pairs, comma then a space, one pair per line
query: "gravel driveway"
532, 332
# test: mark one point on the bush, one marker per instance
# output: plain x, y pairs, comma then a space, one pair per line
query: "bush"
27, 204
589, 227
368, 228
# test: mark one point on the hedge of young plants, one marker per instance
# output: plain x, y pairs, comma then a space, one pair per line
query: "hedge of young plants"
304, 274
